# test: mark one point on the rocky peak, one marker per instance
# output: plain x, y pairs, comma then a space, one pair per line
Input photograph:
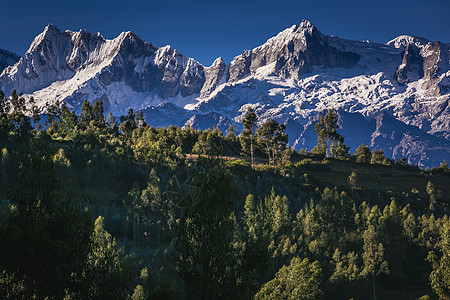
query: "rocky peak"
131, 45
306, 25
7, 58
292, 52
214, 76
404, 41
49, 34
85, 40
218, 62
411, 68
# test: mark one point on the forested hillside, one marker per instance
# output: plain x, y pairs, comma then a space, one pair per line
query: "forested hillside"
94, 207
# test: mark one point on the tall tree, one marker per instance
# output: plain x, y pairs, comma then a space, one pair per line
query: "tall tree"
86, 114
20, 121
205, 232
128, 124
5, 105
273, 139
104, 275
98, 115
373, 256
352, 180
378, 157
301, 279
440, 261
247, 135
329, 141
363, 154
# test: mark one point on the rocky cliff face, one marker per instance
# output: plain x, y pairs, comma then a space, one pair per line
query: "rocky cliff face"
393, 96
291, 53
73, 66
7, 58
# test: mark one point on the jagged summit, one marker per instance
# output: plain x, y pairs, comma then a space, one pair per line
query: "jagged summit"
307, 25
403, 41
218, 61
291, 53
292, 77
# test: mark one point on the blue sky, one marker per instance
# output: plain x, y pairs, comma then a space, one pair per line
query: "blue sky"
205, 30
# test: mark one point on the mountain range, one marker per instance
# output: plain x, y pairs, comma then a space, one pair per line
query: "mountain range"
392, 96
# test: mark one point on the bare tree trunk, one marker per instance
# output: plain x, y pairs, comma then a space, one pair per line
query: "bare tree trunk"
373, 282
251, 151
134, 232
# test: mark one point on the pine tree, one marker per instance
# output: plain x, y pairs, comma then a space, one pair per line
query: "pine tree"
377, 157
363, 154
86, 115
98, 115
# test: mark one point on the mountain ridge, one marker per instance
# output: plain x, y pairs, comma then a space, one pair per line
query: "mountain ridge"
292, 77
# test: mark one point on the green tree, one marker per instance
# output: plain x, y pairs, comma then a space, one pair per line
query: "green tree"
69, 121
205, 232
104, 276
378, 157
353, 180
363, 154
113, 127
373, 256
5, 122
128, 124
46, 242
86, 115
272, 139
20, 122
432, 194
209, 143
5, 105
329, 141
138, 293
300, 280
440, 261
98, 115
247, 135
53, 116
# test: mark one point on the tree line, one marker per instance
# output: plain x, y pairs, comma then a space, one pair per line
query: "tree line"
99, 208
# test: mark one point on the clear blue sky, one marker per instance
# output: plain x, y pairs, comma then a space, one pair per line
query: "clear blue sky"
205, 30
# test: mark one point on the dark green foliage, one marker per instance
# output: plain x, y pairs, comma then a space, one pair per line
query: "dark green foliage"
209, 143
94, 212
329, 141
47, 239
440, 260
273, 140
379, 158
104, 275
363, 154
300, 280
247, 135
204, 236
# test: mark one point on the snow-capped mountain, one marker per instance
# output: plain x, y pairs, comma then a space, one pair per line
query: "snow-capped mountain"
392, 96
7, 58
